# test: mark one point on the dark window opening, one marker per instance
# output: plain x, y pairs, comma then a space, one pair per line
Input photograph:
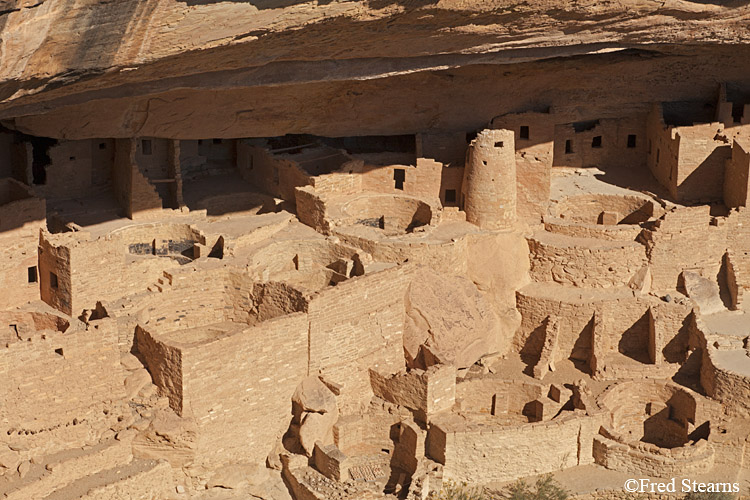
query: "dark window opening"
499, 144
484, 162
568, 147
32, 274
524, 132
53, 280
217, 141
450, 196
40, 158
399, 176
596, 142
738, 109
102, 145
72, 158
200, 142
146, 147
631, 140
59, 352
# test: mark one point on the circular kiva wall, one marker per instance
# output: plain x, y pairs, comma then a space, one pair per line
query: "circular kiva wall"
655, 428
606, 209
394, 214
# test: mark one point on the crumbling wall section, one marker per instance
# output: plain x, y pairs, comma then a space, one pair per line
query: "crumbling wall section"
60, 373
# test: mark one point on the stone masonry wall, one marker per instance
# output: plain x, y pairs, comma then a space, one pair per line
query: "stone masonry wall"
59, 374
482, 453
737, 175
238, 388
357, 325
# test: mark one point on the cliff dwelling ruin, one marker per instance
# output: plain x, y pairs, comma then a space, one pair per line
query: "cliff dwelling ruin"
355, 250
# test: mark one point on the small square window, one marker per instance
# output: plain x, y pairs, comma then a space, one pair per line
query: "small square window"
450, 196
32, 274
217, 141
146, 146
596, 142
499, 144
102, 145
631, 140
53, 280
524, 132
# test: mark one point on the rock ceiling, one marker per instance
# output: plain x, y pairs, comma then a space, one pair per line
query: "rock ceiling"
203, 68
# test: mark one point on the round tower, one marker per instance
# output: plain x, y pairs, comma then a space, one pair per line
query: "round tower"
488, 193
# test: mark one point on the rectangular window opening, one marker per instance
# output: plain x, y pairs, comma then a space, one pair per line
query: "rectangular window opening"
596, 142
499, 144
524, 132
631, 140
217, 141
568, 147
450, 196
102, 145
146, 146
53, 280
399, 176
32, 274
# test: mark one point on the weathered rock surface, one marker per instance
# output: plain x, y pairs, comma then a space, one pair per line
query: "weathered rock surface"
193, 69
447, 321
703, 291
312, 395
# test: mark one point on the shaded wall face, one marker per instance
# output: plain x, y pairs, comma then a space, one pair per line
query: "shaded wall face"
55, 276
701, 163
737, 176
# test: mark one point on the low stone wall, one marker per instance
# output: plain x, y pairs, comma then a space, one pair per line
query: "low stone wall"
652, 461
480, 453
584, 262
618, 232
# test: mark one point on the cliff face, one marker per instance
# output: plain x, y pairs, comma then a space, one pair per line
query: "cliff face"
204, 68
